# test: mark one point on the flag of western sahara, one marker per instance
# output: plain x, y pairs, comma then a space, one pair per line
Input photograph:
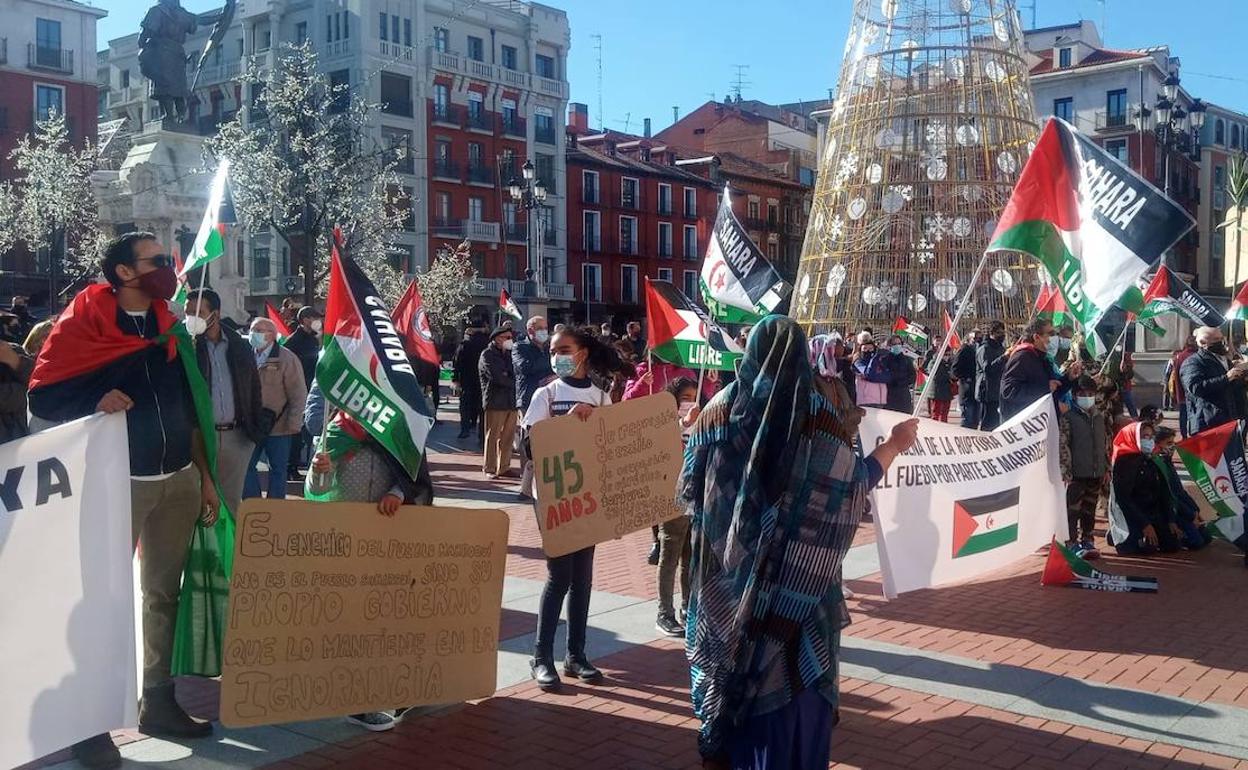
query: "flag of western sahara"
1168, 293
283, 331
1215, 459
909, 331
985, 522
1065, 568
1092, 222
738, 283
363, 368
682, 334
1239, 306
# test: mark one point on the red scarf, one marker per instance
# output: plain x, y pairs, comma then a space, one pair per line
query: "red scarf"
1127, 442
86, 337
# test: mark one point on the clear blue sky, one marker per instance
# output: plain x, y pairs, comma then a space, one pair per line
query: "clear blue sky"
663, 53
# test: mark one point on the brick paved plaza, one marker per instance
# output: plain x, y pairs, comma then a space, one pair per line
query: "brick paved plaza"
999, 673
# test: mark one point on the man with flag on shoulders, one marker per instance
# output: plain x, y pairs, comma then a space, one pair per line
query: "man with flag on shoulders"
118, 348
229, 367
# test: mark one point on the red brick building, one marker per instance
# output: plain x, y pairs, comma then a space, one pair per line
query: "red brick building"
633, 213
47, 64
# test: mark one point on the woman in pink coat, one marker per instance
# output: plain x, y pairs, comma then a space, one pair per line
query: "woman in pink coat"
653, 376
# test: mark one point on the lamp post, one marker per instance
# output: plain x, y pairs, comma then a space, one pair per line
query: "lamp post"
529, 193
1173, 123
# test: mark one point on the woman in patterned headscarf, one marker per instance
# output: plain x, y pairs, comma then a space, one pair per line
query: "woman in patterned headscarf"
775, 492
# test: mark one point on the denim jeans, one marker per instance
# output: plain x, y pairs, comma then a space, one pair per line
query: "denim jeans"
968, 404
571, 576
277, 450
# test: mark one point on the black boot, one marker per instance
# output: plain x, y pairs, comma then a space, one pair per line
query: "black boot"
578, 666
160, 714
543, 672
97, 753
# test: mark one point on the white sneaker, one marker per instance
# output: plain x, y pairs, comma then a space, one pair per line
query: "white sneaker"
848, 594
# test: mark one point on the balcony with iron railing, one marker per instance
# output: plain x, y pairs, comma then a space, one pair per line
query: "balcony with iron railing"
446, 115
478, 232
513, 125
40, 57
478, 120
1114, 122
447, 170
445, 227
480, 174
630, 201
458, 64
544, 134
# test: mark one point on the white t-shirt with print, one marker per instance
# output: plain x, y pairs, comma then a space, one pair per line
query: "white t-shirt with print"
556, 398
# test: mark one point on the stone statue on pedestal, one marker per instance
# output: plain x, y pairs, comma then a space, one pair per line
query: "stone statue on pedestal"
162, 52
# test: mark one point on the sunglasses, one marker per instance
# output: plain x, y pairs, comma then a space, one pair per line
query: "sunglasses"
159, 260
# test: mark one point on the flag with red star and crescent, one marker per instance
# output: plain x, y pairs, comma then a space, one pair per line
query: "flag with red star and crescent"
738, 283
1215, 459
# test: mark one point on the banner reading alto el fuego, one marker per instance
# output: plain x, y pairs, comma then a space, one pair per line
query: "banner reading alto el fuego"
1094, 223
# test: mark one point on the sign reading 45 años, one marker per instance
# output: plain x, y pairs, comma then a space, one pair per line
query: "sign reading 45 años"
608, 476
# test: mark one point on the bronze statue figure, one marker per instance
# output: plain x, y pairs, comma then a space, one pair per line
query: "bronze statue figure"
162, 51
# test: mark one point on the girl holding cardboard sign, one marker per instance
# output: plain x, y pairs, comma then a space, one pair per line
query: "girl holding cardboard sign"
574, 355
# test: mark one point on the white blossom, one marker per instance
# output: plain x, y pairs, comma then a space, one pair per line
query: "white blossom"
446, 287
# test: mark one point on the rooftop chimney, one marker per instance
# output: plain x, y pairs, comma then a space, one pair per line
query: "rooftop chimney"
578, 118
646, 131
675, 114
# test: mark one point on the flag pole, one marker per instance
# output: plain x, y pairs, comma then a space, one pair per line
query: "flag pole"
953, 325
1110, 353
650, 369
701, 375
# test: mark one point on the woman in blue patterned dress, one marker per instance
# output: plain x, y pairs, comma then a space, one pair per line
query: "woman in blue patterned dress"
775, 491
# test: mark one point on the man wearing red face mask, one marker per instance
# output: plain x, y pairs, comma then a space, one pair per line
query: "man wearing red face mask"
112, 351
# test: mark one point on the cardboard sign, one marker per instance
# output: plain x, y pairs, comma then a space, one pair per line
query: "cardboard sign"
608, 476
336, 609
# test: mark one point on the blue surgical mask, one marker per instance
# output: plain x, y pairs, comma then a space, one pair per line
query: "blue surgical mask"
896, 350
258, 340
563, 364
1146, 445
541, 335
1085, 402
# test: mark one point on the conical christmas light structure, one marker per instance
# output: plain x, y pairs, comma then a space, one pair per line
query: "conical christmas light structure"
932, 123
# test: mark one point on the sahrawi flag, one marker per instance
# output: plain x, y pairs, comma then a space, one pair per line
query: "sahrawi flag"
412, 322
682, 334
1065, 568
210, 240
738, 284
508, 305
1168, 293
1050, 305
363, 368
955, 341
1239, 306
1094, 223
1215, 459
283, 331
985, 522
913, 333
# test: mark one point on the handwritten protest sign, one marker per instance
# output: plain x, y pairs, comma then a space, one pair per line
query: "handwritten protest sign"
608, 476
335, 609
963, 502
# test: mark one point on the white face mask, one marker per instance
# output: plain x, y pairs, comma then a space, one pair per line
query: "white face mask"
317, 325
508, 344
541, 335
195, 325
685, 408
258, 340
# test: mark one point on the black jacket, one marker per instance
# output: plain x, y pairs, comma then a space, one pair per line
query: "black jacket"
1142, 494
942, 384
1025, 379
160, 425
13, 384
467, 358
246, 381
531, 363
989, 363
498, 380
964, 366
307, 346
900, 386
1212, 398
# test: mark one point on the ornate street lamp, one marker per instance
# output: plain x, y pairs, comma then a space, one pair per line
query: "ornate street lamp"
529, 194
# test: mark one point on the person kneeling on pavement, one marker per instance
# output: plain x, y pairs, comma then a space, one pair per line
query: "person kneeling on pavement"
1084, 453
1141, 511
1190, 532
349, 466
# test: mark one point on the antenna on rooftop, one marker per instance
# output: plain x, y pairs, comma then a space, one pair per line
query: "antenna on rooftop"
739, 81
627, 121
602, 118
1032, 7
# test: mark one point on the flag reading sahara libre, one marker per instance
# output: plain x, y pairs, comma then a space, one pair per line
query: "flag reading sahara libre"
1065, 568
913, 333
738, 284
412, 322
1168, 293
1215, 459
508, 305
682, 334
1092, 222
363, 369
210, 240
